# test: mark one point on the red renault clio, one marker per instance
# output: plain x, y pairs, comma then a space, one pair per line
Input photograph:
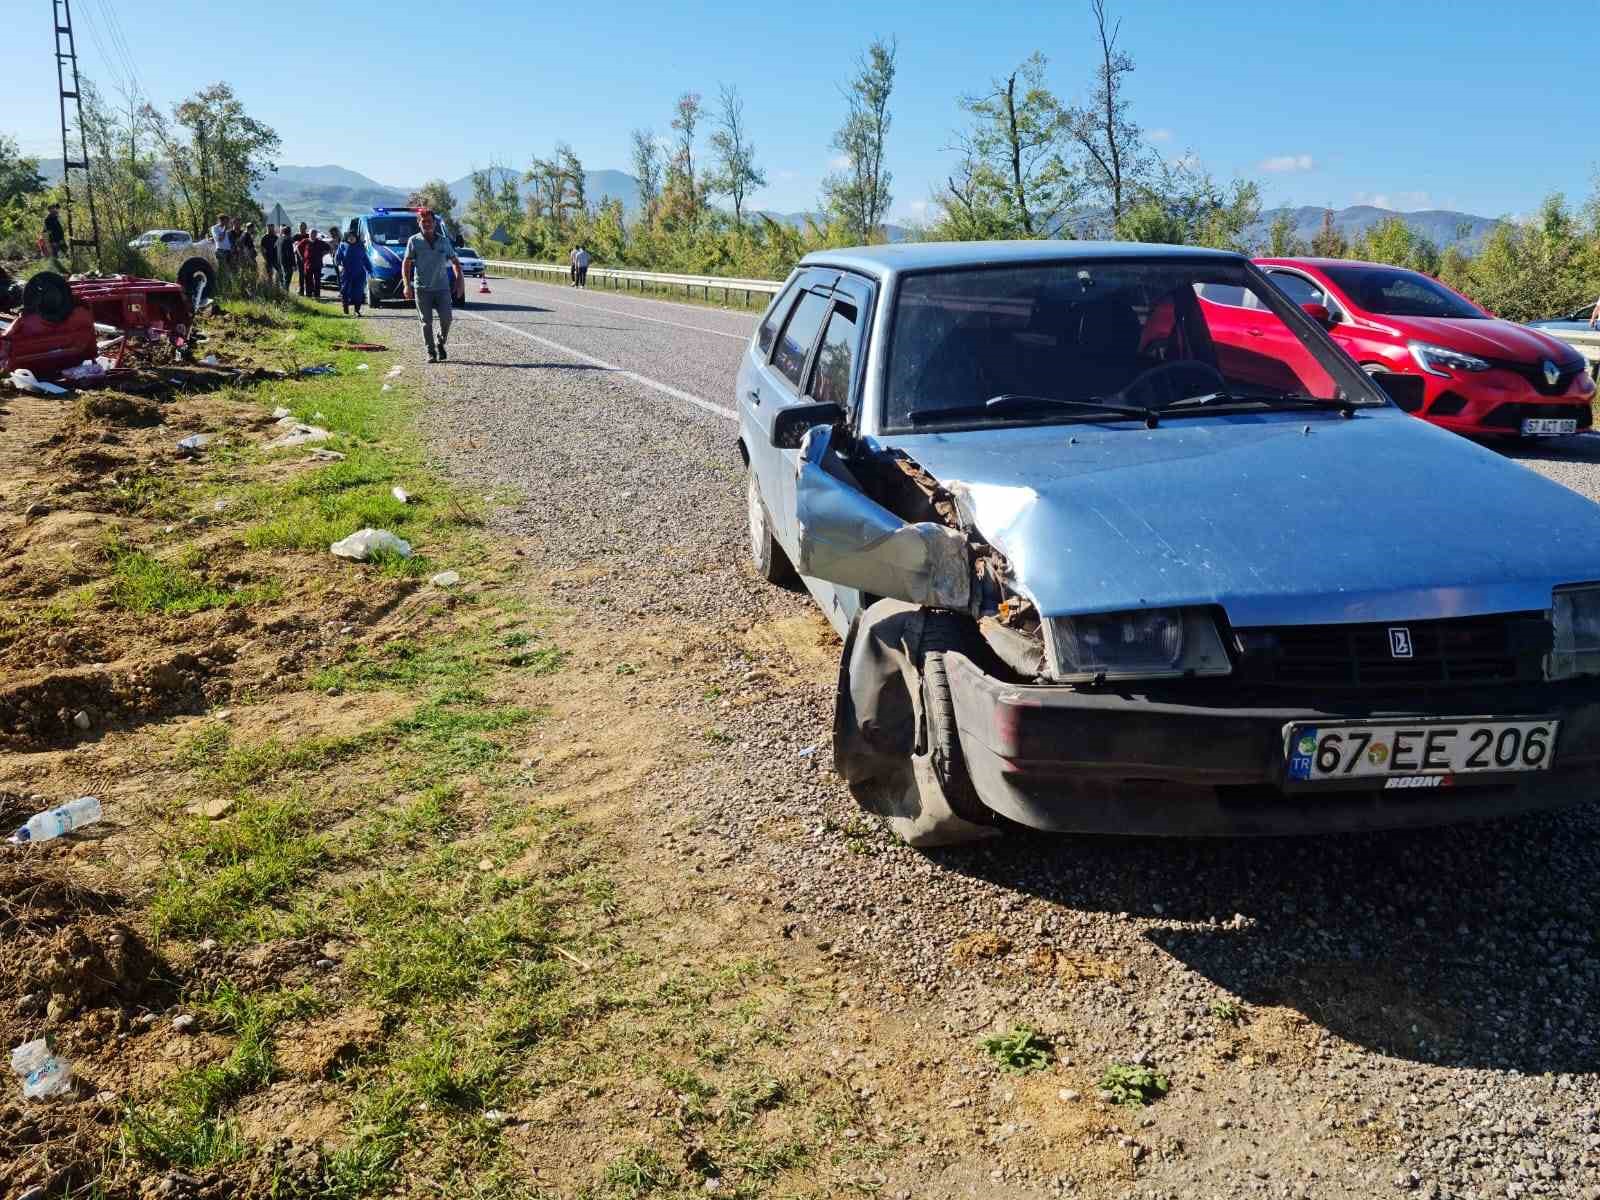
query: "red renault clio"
1481, 375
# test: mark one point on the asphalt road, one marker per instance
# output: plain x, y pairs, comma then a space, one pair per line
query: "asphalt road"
1445, 983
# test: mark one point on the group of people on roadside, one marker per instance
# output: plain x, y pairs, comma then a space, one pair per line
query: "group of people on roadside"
289, 255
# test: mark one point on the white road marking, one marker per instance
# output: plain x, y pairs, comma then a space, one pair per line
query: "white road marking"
622, 312
666, 388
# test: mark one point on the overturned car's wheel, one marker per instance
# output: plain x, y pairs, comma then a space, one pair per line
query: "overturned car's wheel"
50, 296
895, 737
772, 564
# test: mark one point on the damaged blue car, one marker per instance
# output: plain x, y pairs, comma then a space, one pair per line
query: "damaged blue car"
1097, 570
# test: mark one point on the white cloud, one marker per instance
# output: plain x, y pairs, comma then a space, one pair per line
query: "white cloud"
1159, 135
1286, 162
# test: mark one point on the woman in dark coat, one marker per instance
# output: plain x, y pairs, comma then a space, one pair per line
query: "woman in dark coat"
351, 259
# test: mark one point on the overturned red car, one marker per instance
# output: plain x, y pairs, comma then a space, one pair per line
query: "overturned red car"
1478, 374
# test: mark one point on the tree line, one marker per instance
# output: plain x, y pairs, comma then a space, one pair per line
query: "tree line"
1026, 164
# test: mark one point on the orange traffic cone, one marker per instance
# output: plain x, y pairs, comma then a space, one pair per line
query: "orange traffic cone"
483, 285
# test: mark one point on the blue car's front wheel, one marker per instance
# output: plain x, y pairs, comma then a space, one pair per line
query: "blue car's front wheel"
771, 563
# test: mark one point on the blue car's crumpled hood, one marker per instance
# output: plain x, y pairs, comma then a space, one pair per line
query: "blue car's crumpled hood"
1378, 518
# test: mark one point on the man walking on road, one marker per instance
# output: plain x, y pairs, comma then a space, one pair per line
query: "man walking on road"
580, 267
432, 272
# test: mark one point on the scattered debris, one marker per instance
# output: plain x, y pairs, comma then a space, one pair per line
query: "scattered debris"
400, 494
211, 360
43, 1074
362, 544
90, 368
359, 346
298, 435
81, 719
363, 367
280, 413
446, 579
213, 809
24, 380
394, 371
54, 822
195, 441
323, 369
183, 1023
324, 456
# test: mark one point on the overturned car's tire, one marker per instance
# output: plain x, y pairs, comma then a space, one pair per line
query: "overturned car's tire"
48, 295
895, 739
771, 563
198, 279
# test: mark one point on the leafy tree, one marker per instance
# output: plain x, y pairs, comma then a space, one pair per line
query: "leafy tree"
1182, 203
216, 152
495, 203
681, 196
1013, 180
1394, 242
1106, 135
1536, 268
435, 194
736, 172
1328, 242
1282, 242
646, 155
857, 197
556, 200
20, 186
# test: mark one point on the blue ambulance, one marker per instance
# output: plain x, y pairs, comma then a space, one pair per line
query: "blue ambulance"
385, 232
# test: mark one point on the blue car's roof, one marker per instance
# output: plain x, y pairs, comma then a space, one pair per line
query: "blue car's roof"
927, 256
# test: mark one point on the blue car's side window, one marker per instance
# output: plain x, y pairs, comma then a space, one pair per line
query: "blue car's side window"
794, 346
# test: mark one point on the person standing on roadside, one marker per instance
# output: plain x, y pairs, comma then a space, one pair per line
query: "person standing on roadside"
244, 243
299, 256
269, 253
351, 260
1594, 317
288, 259
432, 271
55, 237
312, 251
572, 267
222, 237
580, 263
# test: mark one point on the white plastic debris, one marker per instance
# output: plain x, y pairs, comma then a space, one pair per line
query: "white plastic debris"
280, 413
446, 579
298, 435
210, 360
195, 441
363, 367
316, 416
82, 719
43, 1074
361, 545
27, 381
400, 494
394, 370
219, 505
89, 368
53, 822
387, 388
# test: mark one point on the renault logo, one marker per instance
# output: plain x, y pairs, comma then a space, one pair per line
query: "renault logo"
1552, 373
1399, 641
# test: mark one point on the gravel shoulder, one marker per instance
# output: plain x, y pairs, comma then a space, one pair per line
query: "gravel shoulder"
1353, 1016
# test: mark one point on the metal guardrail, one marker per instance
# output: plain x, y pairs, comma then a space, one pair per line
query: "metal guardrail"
628, 280
1585, 342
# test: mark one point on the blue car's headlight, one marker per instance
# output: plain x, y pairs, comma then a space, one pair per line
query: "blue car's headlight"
1576, 650
1147, 643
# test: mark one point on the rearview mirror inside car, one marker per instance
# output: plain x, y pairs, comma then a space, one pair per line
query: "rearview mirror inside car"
790, 424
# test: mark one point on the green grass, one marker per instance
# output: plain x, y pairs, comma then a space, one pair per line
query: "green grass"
183, 1125
231, 876
1133, 1086
142, 583
1229, 1010
1020, 1051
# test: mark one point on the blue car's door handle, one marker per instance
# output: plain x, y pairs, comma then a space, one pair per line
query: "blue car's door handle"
755, 396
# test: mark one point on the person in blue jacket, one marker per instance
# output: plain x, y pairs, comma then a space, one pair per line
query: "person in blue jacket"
351, 259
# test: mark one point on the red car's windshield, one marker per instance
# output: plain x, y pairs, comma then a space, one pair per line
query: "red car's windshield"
1392, 292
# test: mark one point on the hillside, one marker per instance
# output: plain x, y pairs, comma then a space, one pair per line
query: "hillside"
1442, 227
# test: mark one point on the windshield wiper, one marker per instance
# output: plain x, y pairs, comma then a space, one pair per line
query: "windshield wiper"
1021, 401
1292, 399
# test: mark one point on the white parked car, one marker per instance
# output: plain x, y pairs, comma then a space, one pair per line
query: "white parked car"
471, 262
171, 239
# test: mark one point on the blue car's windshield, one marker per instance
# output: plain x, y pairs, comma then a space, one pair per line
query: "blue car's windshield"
393, 230
1141, 334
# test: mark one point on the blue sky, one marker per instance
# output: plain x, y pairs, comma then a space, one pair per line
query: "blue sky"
1466, 105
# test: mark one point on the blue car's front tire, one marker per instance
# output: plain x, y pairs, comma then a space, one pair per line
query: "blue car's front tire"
771, 563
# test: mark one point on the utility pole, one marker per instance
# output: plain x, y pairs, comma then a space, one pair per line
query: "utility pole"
67, 64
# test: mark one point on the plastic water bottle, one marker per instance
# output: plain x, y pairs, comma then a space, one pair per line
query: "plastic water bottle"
43, 1074
42, 827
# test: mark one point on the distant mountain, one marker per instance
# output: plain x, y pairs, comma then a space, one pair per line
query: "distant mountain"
1442, 227
329, 176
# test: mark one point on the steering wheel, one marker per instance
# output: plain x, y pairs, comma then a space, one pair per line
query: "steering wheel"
1211, 379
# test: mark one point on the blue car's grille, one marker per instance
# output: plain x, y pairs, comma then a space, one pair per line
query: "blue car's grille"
1458, 652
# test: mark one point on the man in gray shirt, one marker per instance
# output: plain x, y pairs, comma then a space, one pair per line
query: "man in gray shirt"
432, 271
